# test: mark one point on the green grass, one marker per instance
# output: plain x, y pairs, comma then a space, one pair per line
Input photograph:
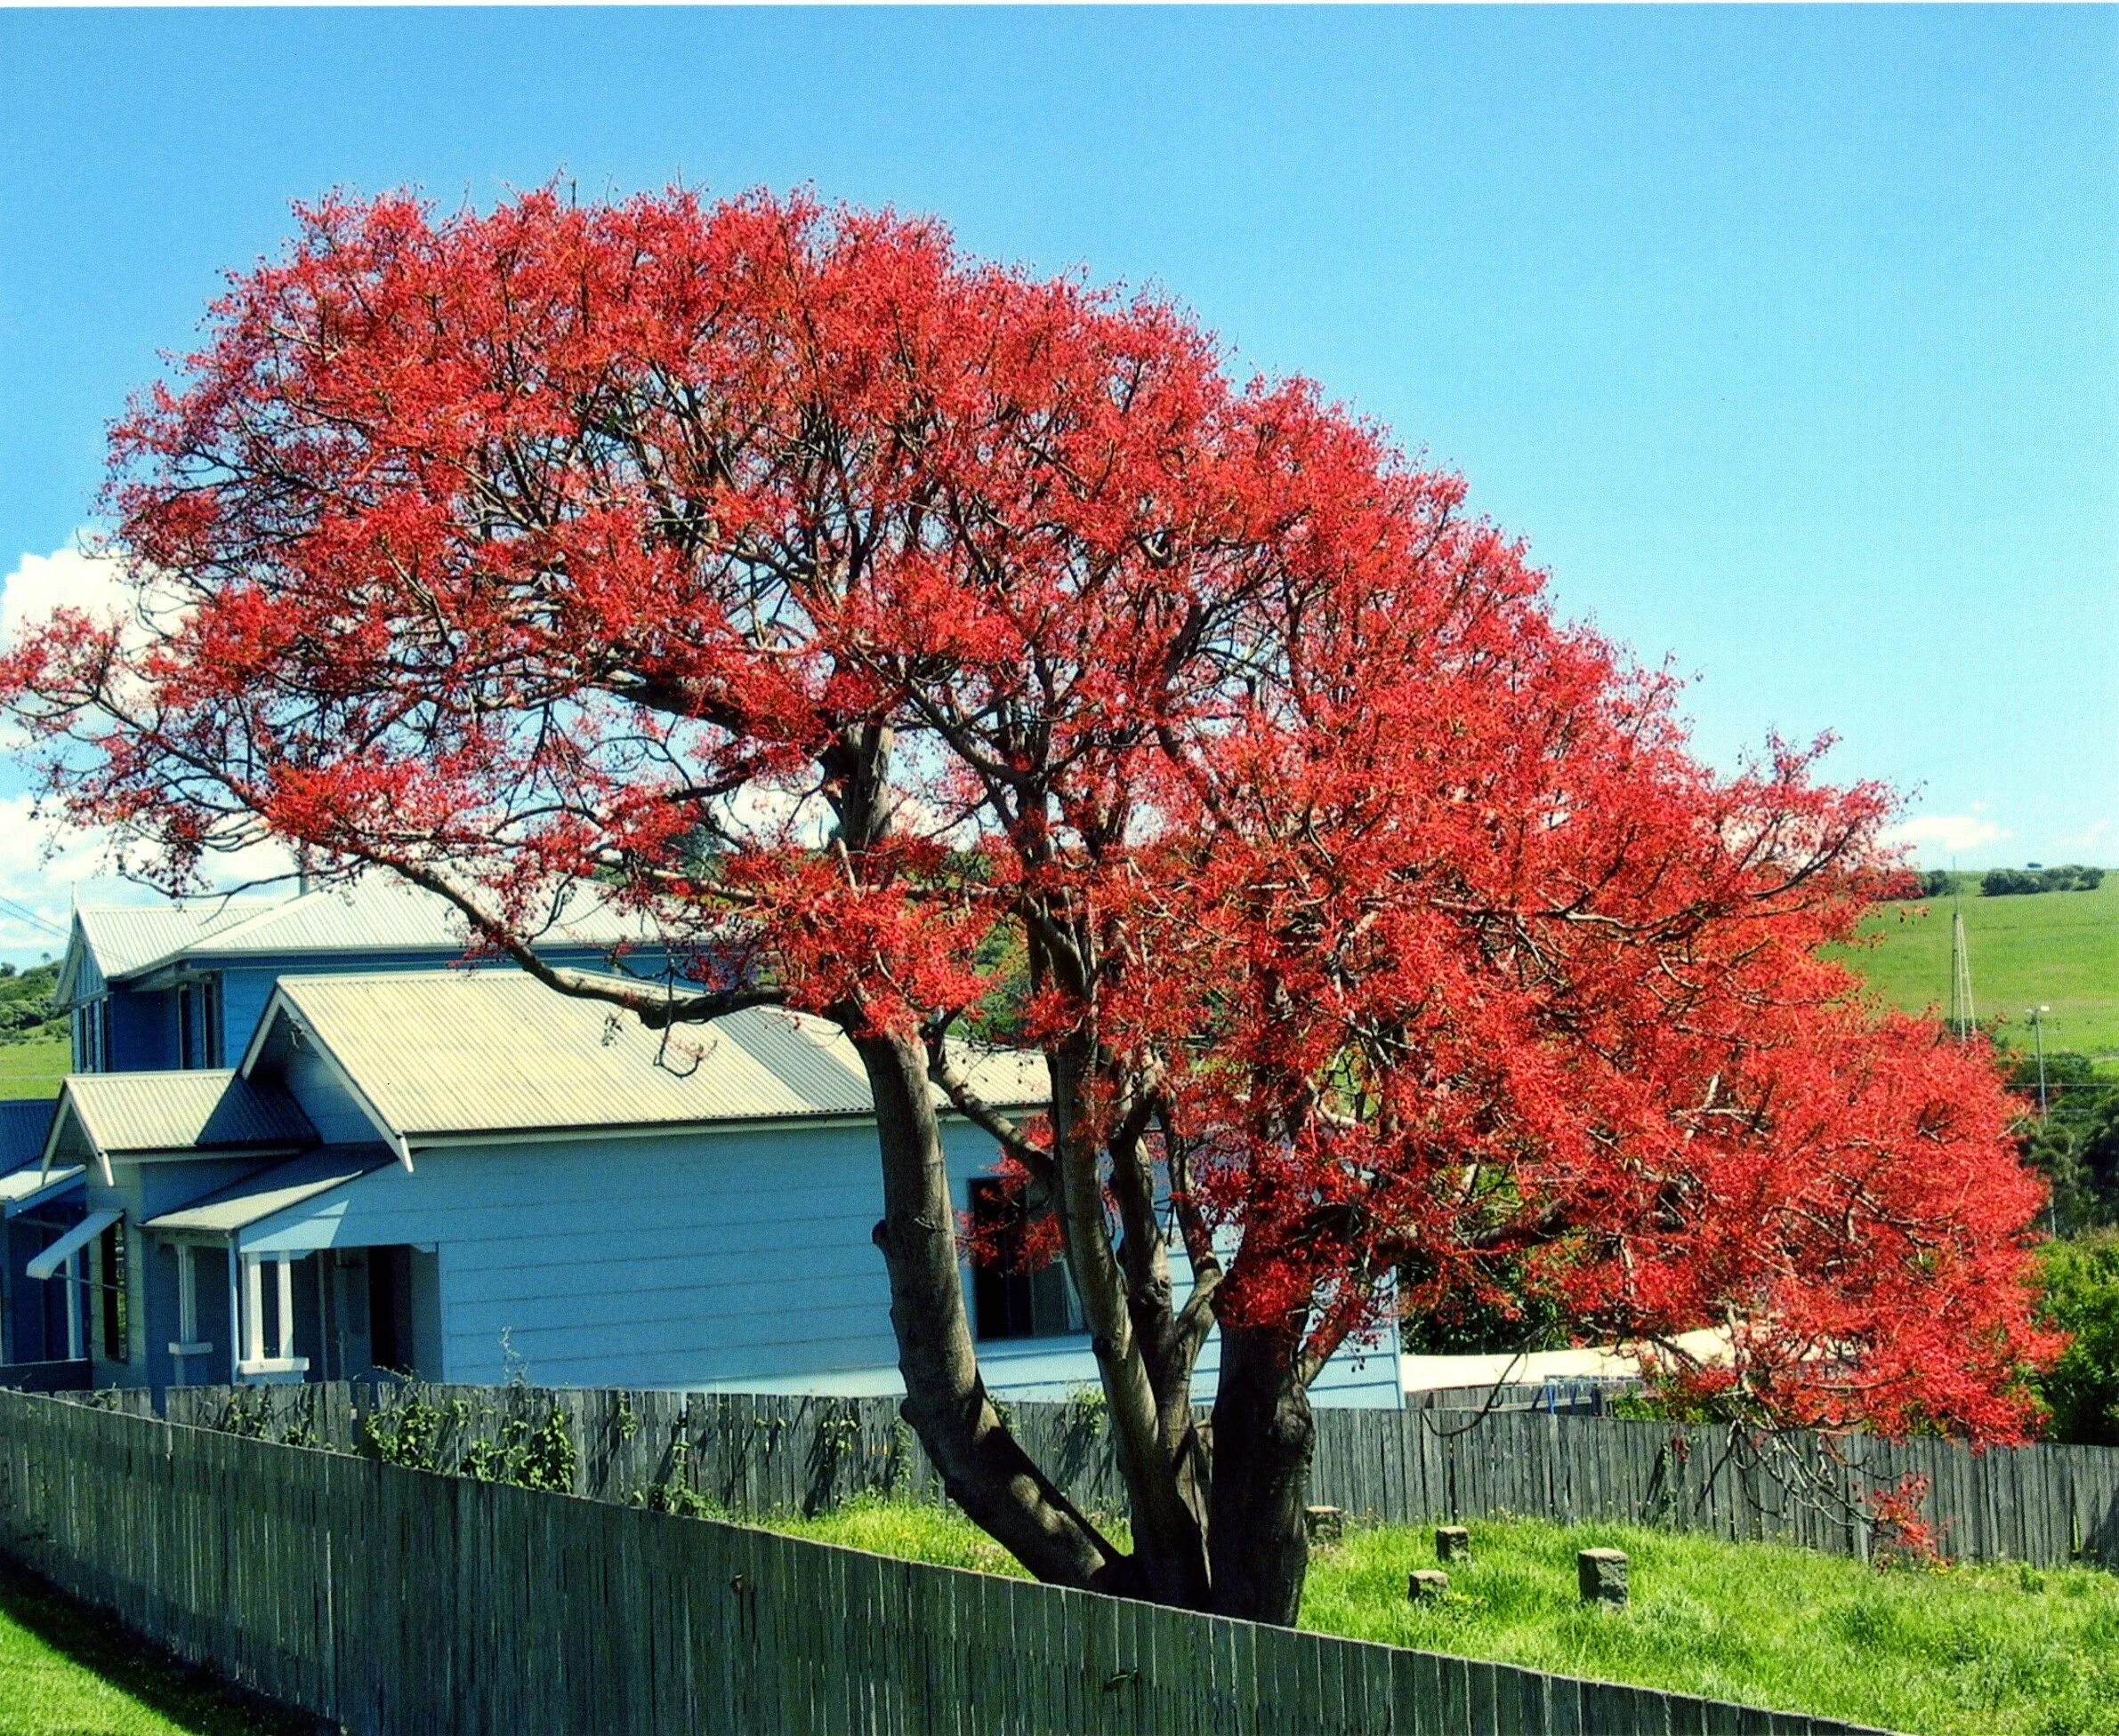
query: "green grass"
2056, 949
66, 1671
33, 1069
1961, 1651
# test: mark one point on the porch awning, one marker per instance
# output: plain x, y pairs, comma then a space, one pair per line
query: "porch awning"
27, 1188
46, 1264
229, 1210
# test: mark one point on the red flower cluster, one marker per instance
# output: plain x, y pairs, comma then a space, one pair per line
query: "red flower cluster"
850, 607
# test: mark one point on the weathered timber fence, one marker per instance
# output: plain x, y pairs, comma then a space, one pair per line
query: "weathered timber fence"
2046, 1505
400, 1602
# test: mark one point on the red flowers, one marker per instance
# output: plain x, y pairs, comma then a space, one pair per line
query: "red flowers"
1389, 917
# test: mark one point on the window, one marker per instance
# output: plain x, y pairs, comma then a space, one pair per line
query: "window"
91, 1036
209, 1019
199, 1021
1008, 1301
114, 1296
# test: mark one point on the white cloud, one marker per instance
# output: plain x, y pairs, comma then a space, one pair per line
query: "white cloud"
46, 866
1931, 834
37, 889
41, 583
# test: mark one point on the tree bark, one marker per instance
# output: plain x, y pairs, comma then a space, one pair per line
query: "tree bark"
984, 1470
1170, 1561
1264, 1435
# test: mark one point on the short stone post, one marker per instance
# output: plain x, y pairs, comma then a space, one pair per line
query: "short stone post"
1452, 1543
1326, 1525
1602, 1576
1428, 1584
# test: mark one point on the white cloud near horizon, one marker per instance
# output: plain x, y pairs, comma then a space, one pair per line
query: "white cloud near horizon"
1948, 833
44, 865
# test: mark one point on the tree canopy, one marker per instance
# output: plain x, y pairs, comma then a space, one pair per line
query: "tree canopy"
866, 615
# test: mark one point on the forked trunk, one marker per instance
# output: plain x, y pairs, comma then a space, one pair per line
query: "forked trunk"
1170, 1561
946, 1404
1263, 1436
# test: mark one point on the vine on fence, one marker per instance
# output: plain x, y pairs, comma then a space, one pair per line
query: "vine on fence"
248, 1413
528, 1455
409, 1432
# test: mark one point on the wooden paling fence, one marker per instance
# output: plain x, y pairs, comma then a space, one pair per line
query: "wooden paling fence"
2046, 1505
397, 1601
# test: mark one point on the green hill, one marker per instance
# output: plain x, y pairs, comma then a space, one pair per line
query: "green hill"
2055, 949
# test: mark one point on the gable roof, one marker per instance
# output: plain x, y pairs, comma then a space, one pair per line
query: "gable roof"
125, 939
377, 913
122, 1113
458, 1053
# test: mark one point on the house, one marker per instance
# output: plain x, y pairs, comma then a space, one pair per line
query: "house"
465, 1176
178, 986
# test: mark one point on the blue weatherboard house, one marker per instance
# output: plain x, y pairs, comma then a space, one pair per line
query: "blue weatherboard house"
461, 1174
176, 987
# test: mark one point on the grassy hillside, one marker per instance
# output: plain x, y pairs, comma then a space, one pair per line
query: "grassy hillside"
2056, 949
33, 1069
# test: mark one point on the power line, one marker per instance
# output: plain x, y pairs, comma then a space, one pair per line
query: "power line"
22, 913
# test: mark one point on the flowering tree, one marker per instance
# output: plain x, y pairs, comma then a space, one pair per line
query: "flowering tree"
859, 613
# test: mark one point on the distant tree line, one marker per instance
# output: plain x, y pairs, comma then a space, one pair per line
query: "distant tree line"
2001, 882
2069, 877
26, 1002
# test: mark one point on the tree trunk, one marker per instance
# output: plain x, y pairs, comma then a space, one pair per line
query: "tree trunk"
985, 1472
1263, 1437
1169, 1560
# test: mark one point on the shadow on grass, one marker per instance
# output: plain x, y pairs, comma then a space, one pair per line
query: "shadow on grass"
190, 1697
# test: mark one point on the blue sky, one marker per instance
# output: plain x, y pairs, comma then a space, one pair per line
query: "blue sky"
1789, 337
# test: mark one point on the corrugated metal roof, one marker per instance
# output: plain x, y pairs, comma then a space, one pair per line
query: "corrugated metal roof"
375, 913
24, 1125
379, 914
240, 1204
31, 1186
492, 1051
169, 1111
130, 938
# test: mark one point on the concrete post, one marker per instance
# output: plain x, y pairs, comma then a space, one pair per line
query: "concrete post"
1326, 1525
1602, 1576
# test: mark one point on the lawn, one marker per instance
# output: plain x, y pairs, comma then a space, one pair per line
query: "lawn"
1961, 1651
66, 1671
2056, 949
33, 1069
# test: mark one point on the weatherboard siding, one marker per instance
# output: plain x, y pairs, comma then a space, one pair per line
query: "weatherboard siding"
669, 1261
142, 1032
332, 1110
736, 1258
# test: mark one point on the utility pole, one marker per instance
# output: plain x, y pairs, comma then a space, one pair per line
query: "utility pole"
1964, 1019
2036, 1015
